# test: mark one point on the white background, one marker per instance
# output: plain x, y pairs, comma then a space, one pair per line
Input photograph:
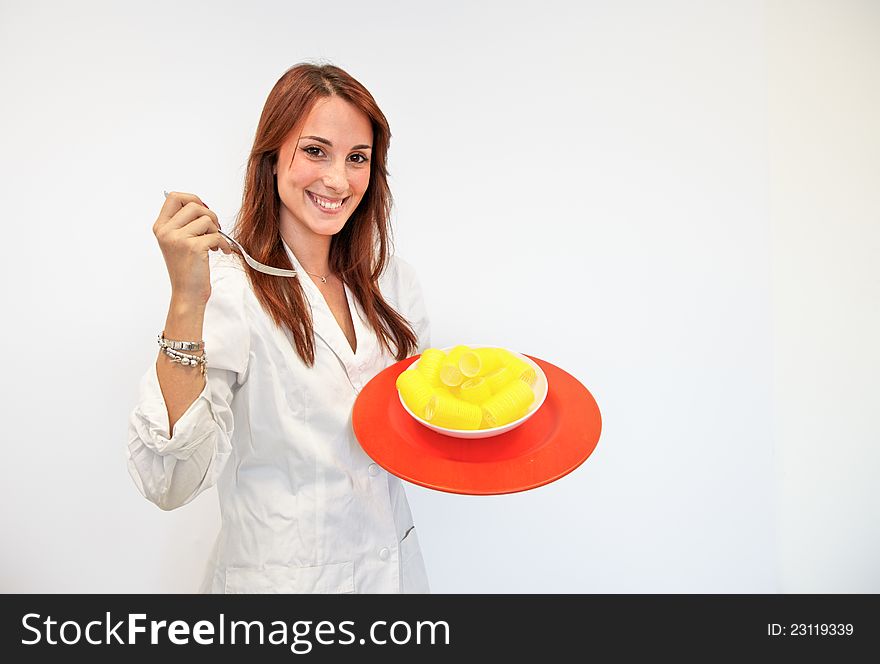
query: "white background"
676, 202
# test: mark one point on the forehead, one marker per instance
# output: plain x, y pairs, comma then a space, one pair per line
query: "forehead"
338, 120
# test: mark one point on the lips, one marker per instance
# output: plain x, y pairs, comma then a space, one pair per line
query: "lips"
327, 204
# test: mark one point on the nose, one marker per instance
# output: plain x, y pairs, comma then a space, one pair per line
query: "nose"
334, 176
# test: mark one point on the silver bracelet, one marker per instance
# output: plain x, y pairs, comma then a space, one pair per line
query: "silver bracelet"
180, 345
184, 358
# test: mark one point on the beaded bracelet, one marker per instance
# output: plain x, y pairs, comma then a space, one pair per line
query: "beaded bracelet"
184, 358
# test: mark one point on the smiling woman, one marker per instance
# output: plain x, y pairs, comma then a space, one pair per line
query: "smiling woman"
267, 419
324, 184
330, 203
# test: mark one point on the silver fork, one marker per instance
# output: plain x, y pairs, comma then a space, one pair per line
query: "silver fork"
257, 265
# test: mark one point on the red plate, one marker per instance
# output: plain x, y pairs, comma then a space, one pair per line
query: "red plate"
553, 442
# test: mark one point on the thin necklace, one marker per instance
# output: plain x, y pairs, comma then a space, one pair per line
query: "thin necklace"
323, 279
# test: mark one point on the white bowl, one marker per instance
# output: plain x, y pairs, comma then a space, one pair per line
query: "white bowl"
539, 388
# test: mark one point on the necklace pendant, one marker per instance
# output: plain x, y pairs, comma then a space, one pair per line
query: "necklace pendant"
323, 280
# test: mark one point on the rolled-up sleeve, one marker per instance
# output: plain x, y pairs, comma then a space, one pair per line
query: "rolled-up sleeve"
170, 471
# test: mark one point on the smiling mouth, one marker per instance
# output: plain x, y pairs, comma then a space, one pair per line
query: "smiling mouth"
328, 204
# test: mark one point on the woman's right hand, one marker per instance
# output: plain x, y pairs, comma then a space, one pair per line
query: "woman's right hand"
186, 230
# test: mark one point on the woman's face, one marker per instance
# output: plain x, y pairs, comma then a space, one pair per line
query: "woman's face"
324, 169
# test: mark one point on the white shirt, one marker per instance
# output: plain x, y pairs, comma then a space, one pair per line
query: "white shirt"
304, 509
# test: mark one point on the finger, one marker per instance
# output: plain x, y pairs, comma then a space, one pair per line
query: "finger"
228, 247
218, 242
210, 241
175, 200
177, 203
187, 214
199, 226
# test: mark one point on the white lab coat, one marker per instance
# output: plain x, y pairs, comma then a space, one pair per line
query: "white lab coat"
304, 509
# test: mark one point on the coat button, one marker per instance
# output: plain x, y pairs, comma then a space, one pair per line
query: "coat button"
384, 553
374, 469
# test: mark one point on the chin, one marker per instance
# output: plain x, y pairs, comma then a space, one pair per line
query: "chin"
327, 229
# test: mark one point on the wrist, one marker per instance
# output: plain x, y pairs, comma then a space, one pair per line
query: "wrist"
185, 320
186, 307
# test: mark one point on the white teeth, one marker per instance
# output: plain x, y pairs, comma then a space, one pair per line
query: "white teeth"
324, 204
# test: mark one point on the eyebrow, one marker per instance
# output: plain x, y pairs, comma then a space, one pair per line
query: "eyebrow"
328, 143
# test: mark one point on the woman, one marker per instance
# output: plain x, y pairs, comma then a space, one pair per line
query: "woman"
304, 509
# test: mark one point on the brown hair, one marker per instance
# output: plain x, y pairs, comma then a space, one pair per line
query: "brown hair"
358, 253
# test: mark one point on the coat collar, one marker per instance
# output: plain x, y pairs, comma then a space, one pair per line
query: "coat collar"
324, 322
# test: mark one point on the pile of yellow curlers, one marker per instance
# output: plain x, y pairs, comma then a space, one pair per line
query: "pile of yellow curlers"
468, 388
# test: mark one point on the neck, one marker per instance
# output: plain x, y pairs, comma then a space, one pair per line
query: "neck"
311, 250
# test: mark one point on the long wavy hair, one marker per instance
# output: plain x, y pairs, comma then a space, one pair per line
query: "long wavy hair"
358, 253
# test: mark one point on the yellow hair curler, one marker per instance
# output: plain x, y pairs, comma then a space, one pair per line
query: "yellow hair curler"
416, 391
444, 410
475, 390
480, 361
429, 365
523, 370
450, 374
508, 405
